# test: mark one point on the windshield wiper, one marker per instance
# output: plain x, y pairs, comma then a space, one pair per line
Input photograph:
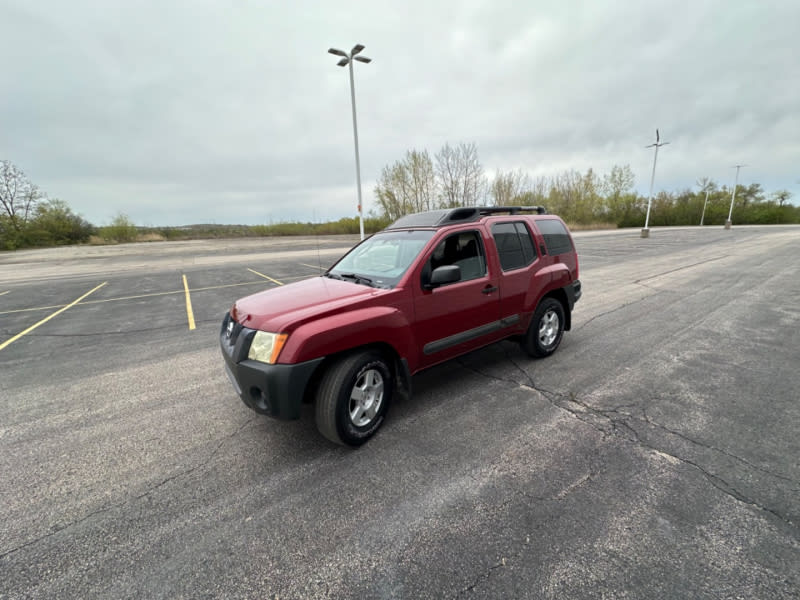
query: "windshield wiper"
333, 275
356, 277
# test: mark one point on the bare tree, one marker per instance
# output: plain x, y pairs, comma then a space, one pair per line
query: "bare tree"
781, 196
18, 196
460, 176
507, 187
407, 186
419, 168
706, 184
565, 191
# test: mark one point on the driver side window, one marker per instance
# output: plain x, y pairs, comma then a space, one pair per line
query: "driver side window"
463, 249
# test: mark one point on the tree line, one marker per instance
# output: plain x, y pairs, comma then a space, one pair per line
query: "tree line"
30, 218
455, 177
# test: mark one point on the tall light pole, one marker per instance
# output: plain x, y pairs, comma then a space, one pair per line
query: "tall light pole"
347, 59
733, 196
658, 144
703, 216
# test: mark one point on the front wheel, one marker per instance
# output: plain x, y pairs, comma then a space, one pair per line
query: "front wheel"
546, 329
353, 397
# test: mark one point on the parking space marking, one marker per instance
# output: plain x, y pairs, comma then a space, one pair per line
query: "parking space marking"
140, 296
46, 319
318, 267
264, 276
4, 293
189, 311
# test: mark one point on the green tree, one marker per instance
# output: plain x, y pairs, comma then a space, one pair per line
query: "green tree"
781, 196
617, 190
120, 230
59, 224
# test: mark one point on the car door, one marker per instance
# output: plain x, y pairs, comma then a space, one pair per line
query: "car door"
522, 274
457, 317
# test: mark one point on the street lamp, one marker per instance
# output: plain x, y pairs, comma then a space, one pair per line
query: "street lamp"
658, 144
703, 216
347, 59
733, 196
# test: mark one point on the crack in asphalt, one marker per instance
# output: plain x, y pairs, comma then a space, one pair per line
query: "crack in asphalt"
650, 421
486, 574
59, 530
116, 505
608, 312
682, 268
200, 464
619, 426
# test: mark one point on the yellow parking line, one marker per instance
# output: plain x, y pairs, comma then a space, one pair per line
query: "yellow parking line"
46, 319
4, 293
264, 276
139, 296
189, 311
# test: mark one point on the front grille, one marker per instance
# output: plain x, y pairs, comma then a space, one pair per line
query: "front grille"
235, 339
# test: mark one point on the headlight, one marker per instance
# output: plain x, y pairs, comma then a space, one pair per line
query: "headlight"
266, 347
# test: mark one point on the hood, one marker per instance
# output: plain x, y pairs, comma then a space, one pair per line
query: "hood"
282, 309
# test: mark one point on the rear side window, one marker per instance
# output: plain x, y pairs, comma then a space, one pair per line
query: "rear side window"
555, 236
514, 245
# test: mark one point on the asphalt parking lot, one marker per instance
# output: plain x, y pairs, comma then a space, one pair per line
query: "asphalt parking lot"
655, 455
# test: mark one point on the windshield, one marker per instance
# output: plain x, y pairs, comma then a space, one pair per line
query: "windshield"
381, 260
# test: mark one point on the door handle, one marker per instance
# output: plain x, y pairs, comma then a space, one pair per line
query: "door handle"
489, 289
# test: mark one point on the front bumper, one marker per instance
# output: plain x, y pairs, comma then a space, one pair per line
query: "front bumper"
273, 390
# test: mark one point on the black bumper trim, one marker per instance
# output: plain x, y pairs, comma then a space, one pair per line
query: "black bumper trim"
273, 390
573, 291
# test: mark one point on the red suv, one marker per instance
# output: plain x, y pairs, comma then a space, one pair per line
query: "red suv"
430, 287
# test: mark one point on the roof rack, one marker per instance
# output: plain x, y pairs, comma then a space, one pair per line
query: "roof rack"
450, 216
512, 210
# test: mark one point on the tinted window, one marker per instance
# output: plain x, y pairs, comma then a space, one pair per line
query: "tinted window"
526, 242
514, 245
555, 236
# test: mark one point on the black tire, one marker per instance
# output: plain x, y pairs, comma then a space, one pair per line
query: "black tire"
342, 416
546, 329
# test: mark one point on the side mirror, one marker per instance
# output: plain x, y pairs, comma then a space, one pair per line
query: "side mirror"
443, 275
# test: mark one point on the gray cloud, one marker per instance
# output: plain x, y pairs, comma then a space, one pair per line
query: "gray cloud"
203, 112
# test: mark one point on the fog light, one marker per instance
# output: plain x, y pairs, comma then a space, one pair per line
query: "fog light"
260, 401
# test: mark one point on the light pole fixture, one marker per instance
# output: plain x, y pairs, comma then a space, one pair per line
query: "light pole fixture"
733, 195
347, 59
657, 145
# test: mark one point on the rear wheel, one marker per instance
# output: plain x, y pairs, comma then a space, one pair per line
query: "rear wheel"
353, 397
546, 329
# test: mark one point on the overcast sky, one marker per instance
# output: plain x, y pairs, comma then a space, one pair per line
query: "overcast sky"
233, 112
